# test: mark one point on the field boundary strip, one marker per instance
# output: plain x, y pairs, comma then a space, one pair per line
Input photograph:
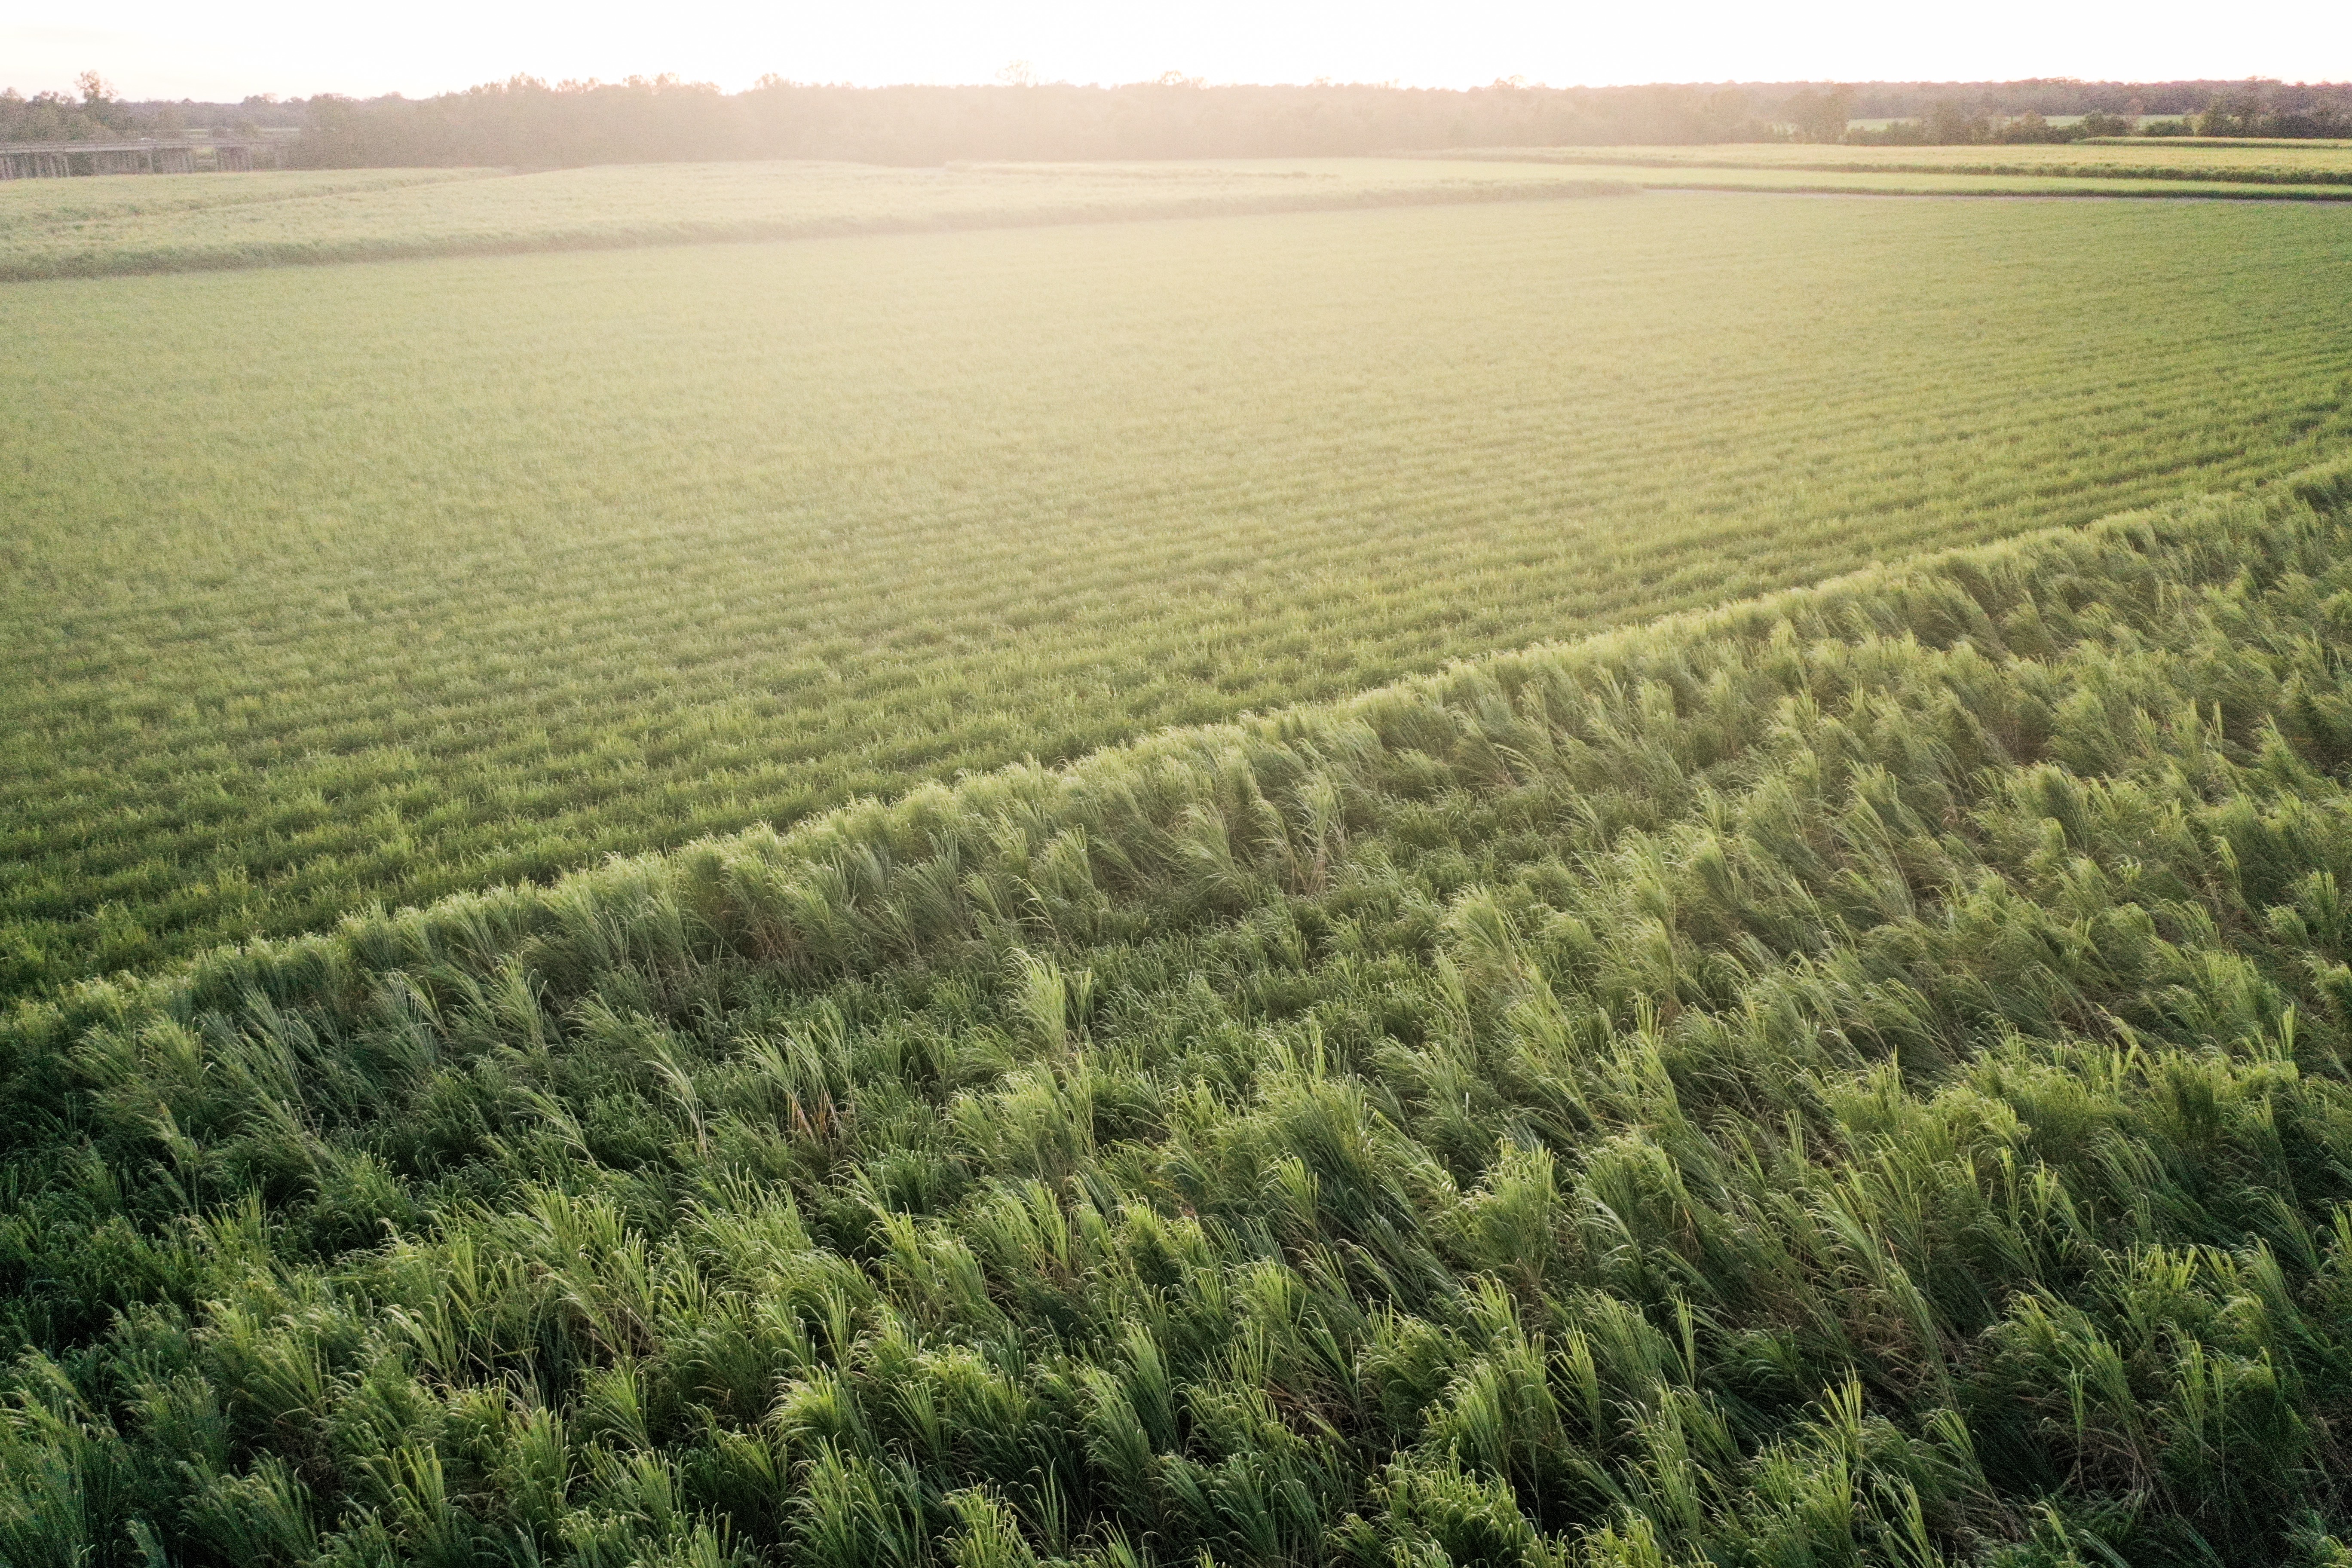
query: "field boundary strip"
2215, 192
2220, 173
2251, 143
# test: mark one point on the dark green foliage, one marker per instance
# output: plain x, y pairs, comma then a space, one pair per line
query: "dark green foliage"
90, 113
525, 121
1855, 1077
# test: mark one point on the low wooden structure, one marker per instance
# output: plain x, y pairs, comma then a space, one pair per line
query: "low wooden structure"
51, 159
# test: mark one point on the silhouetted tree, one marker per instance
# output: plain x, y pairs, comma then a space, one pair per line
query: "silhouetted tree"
1821, 116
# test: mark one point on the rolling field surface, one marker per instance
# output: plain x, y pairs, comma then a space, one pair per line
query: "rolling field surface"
28, 206
370, 583
202, 222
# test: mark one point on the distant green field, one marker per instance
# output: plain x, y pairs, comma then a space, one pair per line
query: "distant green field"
51, 228
373, 583
27, 206
88, 227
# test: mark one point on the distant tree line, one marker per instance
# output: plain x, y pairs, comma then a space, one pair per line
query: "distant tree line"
94, 111
529, 122
2259, 109
2058, 97
1953, 124
526, 122
89, 113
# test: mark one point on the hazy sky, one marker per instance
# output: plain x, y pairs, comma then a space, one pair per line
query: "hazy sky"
168, 48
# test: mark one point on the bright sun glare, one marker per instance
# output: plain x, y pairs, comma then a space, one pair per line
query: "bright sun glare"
159, 49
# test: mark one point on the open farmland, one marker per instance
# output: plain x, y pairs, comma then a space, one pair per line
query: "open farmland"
1854, 1078
195, 223
418, 577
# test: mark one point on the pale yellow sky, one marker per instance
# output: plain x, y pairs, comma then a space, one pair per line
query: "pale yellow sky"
167, 48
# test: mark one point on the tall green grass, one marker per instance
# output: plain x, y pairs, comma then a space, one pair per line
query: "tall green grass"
348, 585
1856, 1075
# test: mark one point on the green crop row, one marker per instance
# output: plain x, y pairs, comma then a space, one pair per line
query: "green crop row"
370, 585
1858, 1076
